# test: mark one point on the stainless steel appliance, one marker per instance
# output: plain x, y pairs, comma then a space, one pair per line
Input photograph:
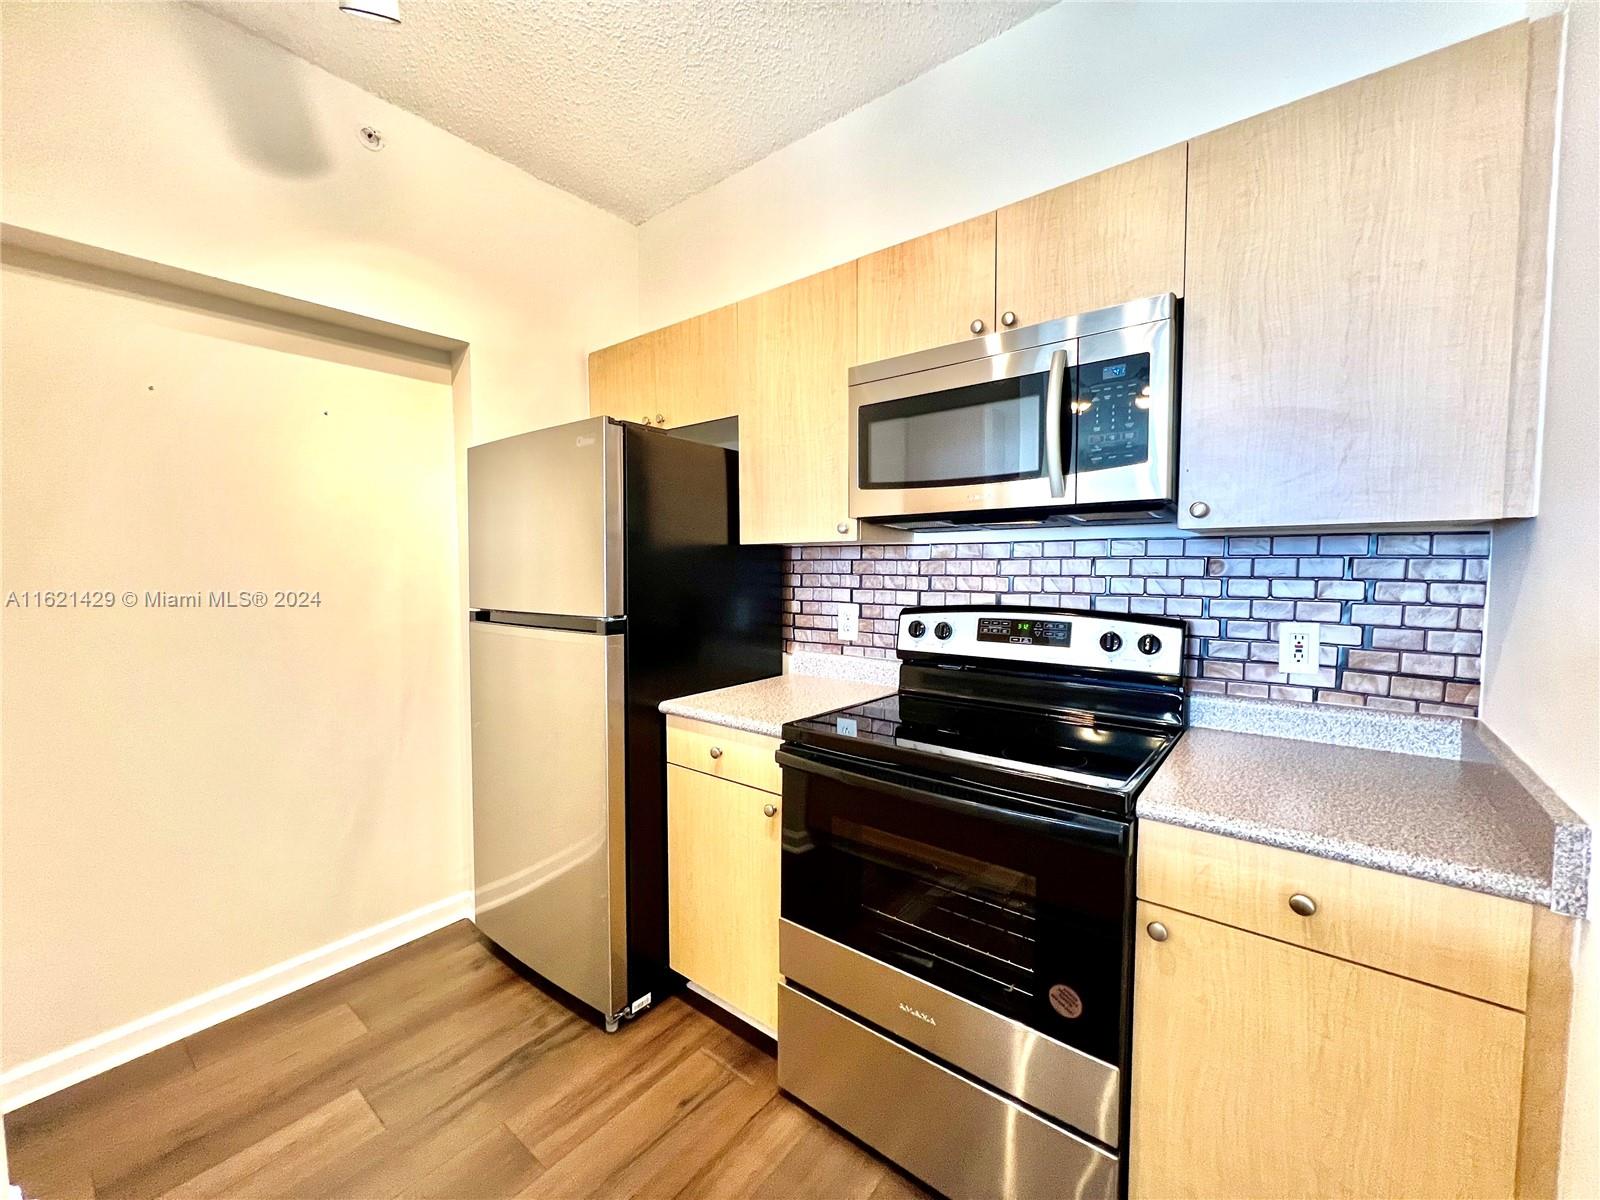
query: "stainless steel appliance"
1067, 422
605, 576
957, 896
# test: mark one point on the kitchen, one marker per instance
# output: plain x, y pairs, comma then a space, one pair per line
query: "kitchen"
1179, 540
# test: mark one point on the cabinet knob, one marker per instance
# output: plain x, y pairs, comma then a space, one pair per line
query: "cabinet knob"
977, 327
1157, 931
1008, 319
645, 419
1302, 904
716, 752
843, 526
770, 810
660, 420
1199, 509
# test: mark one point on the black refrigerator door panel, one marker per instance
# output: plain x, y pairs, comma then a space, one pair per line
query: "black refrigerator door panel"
703, 612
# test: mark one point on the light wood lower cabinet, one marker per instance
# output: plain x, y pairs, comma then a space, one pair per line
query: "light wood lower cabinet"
723, 858
1262, 1069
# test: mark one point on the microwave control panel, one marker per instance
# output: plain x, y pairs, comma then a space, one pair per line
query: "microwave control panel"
1112, 409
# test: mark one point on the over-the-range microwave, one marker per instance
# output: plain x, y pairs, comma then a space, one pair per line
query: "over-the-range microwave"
1071, 421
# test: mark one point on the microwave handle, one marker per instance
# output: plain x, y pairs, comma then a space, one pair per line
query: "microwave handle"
1052, 424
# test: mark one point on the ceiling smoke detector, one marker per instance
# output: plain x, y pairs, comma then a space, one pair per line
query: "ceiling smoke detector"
374, 10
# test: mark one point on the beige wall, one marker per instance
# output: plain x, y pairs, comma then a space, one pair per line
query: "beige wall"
162, 132
1541, 688
193, 795
1045, 102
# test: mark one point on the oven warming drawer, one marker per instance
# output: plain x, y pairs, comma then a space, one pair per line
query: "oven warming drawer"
1051, 1076
965, 1140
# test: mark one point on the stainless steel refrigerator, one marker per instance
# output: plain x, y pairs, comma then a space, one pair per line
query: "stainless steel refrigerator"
605, 575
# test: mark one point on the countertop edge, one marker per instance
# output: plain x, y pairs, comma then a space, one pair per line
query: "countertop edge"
1526, 888
676, 708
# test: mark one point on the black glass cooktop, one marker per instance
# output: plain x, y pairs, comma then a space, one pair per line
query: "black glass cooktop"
1034, 751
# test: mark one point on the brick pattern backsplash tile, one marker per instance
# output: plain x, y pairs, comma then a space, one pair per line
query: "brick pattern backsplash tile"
1401, 614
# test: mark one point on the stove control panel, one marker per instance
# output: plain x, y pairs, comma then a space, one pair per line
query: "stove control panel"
1044, 637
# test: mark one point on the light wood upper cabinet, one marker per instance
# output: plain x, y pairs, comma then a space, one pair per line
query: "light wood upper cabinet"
1365, 286
723, 863
1101, 240
796, 346
926, 292
622, 381
1262, 1069
680, 375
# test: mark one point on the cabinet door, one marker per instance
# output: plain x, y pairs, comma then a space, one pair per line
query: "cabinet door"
1099, 241
1353, 274
722, 889
1265, 1070
697, 368
926, 292
796, 344
622, 381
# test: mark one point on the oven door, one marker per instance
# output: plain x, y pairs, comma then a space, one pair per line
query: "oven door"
993, 937
1124, 413
991, 433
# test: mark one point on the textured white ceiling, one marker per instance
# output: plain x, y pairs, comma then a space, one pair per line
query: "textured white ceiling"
631, 104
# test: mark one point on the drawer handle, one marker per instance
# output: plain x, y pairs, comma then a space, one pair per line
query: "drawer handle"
770, 809
716, 752
1302, 904
1157, 931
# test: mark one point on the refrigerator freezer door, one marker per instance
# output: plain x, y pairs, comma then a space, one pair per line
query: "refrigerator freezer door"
544, 521
548, 804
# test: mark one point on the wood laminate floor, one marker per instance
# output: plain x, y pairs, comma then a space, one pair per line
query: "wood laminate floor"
438, 1070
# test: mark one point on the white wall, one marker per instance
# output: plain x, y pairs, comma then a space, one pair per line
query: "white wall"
162, 132
1081, 87
1541, 690
192, 795
159, 132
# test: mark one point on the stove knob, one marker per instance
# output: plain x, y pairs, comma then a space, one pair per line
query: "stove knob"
1110, 642
1149, 644
942, 631
916, 629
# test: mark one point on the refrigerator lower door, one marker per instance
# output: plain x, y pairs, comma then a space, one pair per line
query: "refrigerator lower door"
548, 804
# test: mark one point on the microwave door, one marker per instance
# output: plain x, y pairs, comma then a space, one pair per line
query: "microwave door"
993, 433
1123, 413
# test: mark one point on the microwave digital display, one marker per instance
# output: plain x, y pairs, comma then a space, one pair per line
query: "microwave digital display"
1024, 631
1113, 413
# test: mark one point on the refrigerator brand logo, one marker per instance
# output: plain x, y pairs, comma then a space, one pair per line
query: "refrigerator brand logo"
917, 1013
585, 441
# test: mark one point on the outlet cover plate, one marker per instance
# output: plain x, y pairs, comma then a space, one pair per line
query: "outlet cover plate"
849, 624
1299, 648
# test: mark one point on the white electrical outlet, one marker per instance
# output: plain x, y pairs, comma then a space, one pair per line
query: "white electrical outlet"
1299, 648
849, 622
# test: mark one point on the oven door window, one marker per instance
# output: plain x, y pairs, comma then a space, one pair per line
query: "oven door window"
1022, 922
1111, 408
990, 432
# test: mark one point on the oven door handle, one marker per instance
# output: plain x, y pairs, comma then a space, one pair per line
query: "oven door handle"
1052, 424
1082, 828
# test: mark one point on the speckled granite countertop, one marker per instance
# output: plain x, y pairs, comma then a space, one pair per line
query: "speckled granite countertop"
763, 706
1467, 823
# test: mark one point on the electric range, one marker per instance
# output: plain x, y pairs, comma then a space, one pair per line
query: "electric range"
957, 895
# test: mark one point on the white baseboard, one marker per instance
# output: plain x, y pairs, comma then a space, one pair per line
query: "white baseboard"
728, 1008
29, 1081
